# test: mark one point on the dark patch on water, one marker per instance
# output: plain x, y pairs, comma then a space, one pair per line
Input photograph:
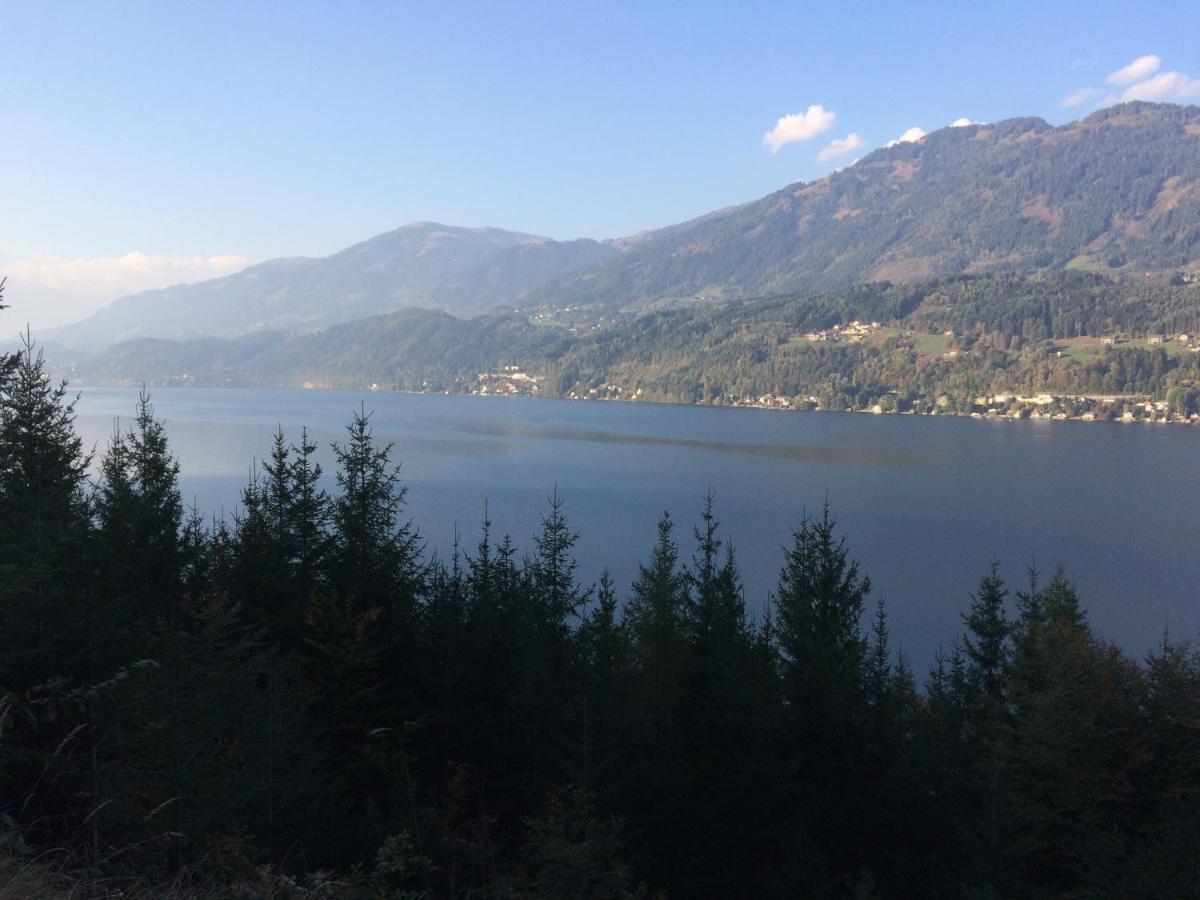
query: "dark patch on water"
798, 452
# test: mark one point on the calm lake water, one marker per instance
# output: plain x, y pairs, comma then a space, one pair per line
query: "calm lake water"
925, 503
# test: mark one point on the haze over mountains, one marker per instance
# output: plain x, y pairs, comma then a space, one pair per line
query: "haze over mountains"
463, 270
1116, 192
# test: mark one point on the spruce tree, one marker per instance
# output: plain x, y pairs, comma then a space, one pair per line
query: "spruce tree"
374, 558
986, 648
657, 616
1070, 755
818, 613
1169, 773
444, 654
605, 651
139, 514
655, 788
361, 626
987, 639
49, 627
497, 728
309, 515
283, 540
725, 724
43, 528
944, 771
549, 675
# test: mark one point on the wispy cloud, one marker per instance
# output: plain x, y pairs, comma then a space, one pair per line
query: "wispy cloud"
107, 277
72, 287
840, 147
910, 135
799, 127
962, 123
1080, 97
1163, 87
1141, 68
1139, 80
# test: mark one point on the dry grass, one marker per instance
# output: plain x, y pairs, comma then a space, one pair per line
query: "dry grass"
42, 878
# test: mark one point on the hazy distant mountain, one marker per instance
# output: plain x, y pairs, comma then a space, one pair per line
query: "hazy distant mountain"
1010, 332
30, 301
1117, 192
461, 270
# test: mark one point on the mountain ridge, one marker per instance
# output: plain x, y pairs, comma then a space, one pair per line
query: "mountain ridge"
923, 204
963, 335
1117, 191
465, 270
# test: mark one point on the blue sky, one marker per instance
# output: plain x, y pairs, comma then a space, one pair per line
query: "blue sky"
159, 142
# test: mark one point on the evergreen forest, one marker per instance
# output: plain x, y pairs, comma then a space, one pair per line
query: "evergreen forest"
302, 701
941, 344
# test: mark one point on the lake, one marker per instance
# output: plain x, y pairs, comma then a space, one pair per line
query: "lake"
925, 502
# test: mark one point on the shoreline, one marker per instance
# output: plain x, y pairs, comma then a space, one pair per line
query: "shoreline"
1027, 412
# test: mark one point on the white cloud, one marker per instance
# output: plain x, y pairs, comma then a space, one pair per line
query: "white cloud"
1164, 87
962, 123
1140, 80
840, 147
799, 127
62, 288
1080, 97
910, 135
1141, 68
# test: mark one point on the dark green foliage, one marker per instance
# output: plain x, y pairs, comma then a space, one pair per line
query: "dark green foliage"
605, 657
282, 553
43, 529
657, 612
986, 646
373, 557
1071, 751
571, 850
986, 641
825, 720
818, 613
725, 719
1169, 780
654, 785
236, 707
139, 515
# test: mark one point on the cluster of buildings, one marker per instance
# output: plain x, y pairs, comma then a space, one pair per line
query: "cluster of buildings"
606, 391
509, 381
770, 401
852, 333
1085, 408
1155, 340
1003, 406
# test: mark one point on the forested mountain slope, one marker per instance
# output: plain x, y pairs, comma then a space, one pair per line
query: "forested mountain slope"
1117, 192
464, 270
958, 335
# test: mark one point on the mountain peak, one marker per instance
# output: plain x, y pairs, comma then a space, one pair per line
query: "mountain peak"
1016, 195
1118, 191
